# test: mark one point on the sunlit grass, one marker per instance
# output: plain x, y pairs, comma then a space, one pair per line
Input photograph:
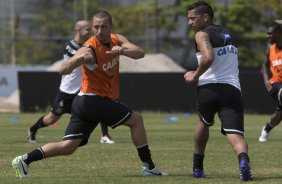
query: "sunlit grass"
171, 146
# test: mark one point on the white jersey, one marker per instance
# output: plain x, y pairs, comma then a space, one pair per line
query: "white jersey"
224, 68
71, 83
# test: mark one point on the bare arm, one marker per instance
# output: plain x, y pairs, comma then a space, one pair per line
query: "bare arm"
83, 55
205, 48
128, 49
265, 71
265, 67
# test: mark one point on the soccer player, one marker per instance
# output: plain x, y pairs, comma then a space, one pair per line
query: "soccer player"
273, 83
69, 87
218, 88
97, 99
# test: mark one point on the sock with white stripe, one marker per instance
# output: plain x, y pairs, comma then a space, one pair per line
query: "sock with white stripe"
37, 154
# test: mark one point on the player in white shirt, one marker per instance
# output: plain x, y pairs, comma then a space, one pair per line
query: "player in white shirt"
218, 88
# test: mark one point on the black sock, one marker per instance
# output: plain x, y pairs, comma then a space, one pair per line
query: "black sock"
37, 125
104, 129
243, 155
37, 154
267, 127
145, 156
198, 161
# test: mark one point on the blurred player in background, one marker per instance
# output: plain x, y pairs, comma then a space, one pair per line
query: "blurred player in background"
97, 99
69, 87
273, 82
218, 88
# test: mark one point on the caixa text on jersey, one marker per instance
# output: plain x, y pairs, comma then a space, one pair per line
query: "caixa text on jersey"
227, 49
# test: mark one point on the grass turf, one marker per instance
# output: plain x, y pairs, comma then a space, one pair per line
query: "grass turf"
171, 146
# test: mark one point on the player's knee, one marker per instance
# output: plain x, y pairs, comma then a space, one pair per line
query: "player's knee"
135, 120
51, 118
138, 119
279, 113
69, 147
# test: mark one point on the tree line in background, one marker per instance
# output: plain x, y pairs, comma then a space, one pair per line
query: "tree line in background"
151, 25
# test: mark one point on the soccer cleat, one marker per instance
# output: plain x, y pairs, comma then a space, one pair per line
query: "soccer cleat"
20, 166
31, 136
198, 173
153, 172
106, 140
264, 135
245, 171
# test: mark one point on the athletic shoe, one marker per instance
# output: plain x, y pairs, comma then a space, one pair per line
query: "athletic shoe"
31, 136
264, 135
198, 173
153, 172
106, 140
245, 171
20, 166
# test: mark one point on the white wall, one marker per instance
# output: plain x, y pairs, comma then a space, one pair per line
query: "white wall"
9, 77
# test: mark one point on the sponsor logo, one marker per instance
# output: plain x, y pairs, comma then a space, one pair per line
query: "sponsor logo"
225, 36
227, 50
24, 171
110, 64
61, 103
154, 173
276, 62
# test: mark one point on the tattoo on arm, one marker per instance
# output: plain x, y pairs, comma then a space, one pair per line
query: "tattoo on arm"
206, 42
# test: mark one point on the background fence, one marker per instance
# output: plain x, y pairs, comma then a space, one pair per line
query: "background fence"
145, 91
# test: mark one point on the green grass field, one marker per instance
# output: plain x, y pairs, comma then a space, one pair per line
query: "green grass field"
171, 146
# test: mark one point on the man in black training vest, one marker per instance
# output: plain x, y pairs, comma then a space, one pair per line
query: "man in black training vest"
218, 88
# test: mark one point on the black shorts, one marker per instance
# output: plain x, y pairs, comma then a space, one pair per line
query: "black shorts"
89, 111
275, 93
224, 99
62, 103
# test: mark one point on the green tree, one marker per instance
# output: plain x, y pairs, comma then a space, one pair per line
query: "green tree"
242, 19
148, 24
139, 22
54, 28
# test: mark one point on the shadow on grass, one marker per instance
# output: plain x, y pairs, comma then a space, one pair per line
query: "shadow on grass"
267, 178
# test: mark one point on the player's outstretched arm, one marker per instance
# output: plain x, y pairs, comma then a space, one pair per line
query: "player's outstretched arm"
83, 55
129, 49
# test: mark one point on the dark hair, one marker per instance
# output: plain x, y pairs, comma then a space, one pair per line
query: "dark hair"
276, 27
103, 13
202, 7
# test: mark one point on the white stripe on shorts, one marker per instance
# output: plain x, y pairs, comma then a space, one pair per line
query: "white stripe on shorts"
233, 130
279, 98
204, 121
72, 135
121, 120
